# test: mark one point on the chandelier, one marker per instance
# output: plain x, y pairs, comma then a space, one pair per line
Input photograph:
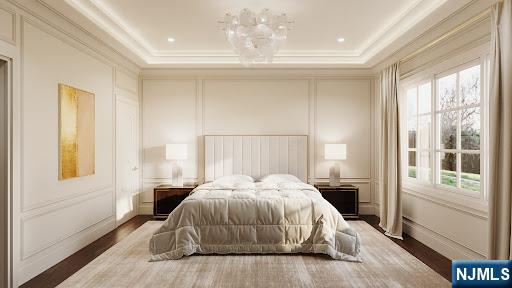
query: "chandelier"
255, 37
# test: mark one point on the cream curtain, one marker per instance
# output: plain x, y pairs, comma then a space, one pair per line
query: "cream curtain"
500, 105
390, 170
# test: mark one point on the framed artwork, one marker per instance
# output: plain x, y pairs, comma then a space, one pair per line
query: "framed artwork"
76, 132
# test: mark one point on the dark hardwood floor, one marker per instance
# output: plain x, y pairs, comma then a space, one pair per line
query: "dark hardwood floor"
67, 267
431, 258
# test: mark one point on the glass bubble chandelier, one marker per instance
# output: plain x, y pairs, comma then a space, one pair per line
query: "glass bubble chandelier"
256, 38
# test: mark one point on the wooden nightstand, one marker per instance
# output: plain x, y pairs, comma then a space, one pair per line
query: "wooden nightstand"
167, 198
345, 198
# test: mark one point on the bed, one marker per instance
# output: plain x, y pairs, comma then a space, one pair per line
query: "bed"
255, 200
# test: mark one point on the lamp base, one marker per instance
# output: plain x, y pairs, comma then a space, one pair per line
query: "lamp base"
334, 175
176, 175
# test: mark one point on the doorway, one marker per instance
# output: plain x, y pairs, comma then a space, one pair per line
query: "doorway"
127, 166
4, 164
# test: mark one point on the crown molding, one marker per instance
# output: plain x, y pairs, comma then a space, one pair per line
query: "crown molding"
402, 24
381, 43
112, 27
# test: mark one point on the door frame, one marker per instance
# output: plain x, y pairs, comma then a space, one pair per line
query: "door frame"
7, 137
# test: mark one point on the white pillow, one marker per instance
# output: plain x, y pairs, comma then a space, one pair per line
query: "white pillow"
280, 178
233, 179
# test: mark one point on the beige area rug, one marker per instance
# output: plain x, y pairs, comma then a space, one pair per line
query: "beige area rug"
385, 264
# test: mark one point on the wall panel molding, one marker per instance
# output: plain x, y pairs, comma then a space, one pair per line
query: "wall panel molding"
56, 253
39, 244
281, 83
8, 31
445, 246
68, 196
52, 206
450, 204
356, 89
63, 36
203, 80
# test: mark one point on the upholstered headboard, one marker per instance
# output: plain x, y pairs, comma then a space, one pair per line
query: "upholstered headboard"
255, 156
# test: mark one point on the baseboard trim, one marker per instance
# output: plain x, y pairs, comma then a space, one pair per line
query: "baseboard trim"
366, 209
446, 247
40, 262
146, 208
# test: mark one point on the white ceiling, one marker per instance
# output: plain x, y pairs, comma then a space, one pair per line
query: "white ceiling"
194, 22
368, 26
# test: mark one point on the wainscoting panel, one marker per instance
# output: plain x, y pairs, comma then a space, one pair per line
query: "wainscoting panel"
255, 107
44, 230
56, 253
7, 25
432, 216
169, 114
364, 192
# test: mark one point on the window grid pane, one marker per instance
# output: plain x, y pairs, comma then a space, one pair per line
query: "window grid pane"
469, 88
411, 164
470, 175
447, 91
470, 129
458, 129
448, 171
448, 130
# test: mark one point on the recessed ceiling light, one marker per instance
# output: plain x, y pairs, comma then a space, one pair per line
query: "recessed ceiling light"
170, 39
341, 39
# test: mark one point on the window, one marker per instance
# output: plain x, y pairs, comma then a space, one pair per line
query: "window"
443, 139
419, 126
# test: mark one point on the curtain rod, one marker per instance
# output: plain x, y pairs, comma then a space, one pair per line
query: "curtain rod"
460, 27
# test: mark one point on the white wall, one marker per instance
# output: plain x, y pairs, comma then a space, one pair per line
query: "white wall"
329, 107
446, 223
53, 219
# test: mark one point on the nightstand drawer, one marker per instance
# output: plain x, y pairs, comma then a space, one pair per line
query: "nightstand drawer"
167, 198
347, 197
166, 203
344, 198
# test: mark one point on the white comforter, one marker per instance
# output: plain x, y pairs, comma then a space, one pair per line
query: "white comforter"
255, 218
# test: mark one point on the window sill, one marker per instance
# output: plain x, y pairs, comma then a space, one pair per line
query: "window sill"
465, 203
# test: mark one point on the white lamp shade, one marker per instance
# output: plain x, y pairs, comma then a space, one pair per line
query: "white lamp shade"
176, 151
335, 151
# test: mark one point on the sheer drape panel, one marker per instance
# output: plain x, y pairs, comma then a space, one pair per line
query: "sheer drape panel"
390, 170
500, 105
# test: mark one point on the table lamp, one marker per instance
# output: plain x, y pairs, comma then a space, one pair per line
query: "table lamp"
335, 152
175, 153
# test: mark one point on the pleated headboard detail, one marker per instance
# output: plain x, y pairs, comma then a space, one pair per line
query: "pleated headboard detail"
255, 156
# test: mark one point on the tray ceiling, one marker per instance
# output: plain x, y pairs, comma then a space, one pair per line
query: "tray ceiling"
369, 27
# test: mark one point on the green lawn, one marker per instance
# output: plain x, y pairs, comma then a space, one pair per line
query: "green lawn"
468, 181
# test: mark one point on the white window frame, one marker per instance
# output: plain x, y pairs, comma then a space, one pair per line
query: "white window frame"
416, 85
458, 149
431, 190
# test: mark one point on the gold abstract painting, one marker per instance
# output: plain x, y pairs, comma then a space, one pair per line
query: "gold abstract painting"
76, 132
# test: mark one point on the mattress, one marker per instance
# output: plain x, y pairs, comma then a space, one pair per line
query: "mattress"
256, 217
